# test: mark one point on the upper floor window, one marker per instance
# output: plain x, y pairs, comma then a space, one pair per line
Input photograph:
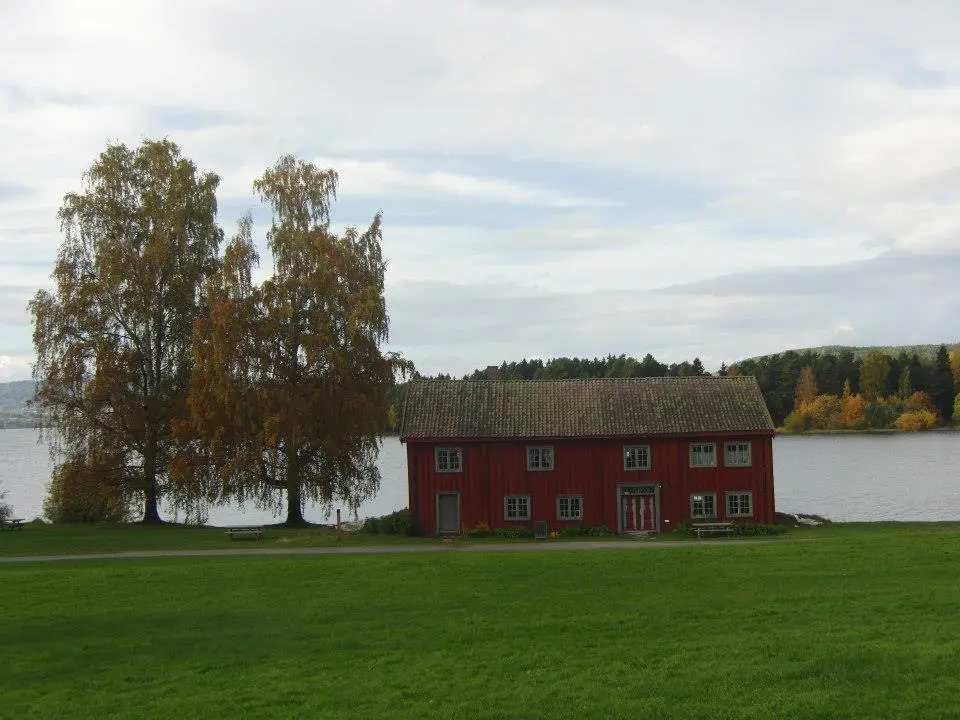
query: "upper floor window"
449, 459
703, 454
540, 457
737, 453
636, 457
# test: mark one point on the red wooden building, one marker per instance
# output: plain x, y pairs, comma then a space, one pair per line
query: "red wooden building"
634, 454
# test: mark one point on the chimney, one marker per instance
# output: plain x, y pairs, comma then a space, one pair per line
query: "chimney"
493, 372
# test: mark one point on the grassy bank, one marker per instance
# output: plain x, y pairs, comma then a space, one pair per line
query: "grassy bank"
41, 539
861, 623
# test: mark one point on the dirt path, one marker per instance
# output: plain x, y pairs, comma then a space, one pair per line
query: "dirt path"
395, 549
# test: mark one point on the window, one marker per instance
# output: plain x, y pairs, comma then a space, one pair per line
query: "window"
737, 454
540, 457
516, 507
703, 505
703, 455
449, 459
570, 507
739, 504
636, 457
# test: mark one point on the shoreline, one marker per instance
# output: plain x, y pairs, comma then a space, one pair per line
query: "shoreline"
868, 431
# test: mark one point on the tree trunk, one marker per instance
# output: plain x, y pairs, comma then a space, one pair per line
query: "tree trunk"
294, 508
151, 514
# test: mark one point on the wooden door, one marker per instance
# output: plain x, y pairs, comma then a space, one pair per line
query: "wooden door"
638, 512
448, 512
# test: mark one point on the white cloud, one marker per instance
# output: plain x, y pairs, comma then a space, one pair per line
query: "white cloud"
819, 134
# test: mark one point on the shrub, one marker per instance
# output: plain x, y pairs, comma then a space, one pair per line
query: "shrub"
401, 522
825, 412
919, 401
581, 530
5, 510
751, 529
914, 420
797, 422
879, 414
512, 532
79, 494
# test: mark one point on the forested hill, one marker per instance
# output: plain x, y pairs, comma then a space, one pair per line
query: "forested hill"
13, 403
885, 381
923, 352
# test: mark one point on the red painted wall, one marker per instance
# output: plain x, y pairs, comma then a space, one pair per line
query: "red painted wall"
591, 468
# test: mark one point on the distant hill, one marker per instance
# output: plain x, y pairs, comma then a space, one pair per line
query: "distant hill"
13, 404
926, 353
14, 395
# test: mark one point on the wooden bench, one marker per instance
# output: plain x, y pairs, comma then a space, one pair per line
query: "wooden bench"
12, 524
702, 529
249, 533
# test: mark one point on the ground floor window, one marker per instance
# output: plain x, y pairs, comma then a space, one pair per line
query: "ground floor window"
516, 507
739, 504
570, 507
703, 505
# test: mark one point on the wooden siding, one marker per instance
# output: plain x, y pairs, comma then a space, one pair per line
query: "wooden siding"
590, 468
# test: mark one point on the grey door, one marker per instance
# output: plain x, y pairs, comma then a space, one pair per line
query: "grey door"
448, 512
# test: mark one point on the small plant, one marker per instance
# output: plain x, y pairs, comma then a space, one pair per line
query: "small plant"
480, 530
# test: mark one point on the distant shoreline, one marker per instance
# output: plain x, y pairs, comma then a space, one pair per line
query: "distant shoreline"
868, 431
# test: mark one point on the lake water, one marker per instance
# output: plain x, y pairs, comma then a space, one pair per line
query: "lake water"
843, 477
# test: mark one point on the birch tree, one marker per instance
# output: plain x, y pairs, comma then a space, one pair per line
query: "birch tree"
113, 339
291, 389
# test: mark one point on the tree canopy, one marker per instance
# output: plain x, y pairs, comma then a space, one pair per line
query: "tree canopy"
113, 340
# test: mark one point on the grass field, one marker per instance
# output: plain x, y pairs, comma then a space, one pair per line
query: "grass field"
861, 622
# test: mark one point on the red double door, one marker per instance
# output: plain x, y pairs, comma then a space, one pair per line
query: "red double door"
638, 512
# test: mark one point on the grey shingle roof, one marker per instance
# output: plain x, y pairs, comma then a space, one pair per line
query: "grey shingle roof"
607, 407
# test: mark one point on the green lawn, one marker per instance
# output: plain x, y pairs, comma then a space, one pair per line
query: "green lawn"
862, 622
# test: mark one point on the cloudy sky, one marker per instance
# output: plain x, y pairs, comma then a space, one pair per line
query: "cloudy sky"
556, 178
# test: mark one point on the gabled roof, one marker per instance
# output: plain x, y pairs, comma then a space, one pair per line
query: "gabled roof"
607, 407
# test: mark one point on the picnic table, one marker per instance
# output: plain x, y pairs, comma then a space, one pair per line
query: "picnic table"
246, 532
12, 524
702, 529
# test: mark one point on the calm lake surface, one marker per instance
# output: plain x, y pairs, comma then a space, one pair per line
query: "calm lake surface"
843, 477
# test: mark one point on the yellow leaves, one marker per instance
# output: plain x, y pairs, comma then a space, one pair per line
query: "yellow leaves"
914, 420
853, 410
955, 368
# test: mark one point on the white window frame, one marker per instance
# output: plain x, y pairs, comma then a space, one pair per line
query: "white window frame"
698, 448
740, 456
516, 500
641, 451
702, 516
740, 494
538, 451
569, 516
448, 450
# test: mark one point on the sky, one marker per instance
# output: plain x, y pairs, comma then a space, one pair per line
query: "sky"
682, 178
